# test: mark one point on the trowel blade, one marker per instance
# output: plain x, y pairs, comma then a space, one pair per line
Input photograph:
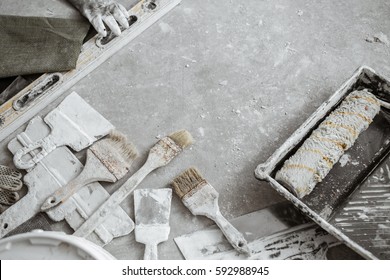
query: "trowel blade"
152, 206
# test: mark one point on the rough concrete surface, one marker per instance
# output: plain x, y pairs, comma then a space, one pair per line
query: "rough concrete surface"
241, 76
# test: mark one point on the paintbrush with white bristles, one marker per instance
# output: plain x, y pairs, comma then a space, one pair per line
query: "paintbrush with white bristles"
202, 199
108, 160
160, 155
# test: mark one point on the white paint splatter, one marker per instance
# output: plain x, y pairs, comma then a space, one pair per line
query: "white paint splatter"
201, 131
189, 59
263, 131
165, 27
223, 83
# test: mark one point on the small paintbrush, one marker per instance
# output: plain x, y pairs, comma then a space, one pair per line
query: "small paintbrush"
160, 155
108, 160
202, 199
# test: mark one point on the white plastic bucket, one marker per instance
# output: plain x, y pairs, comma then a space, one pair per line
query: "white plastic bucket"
50, 245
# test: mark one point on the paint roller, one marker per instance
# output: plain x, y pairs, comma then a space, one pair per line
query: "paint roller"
336, 134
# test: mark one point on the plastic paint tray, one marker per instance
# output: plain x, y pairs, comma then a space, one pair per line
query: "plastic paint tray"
353, 200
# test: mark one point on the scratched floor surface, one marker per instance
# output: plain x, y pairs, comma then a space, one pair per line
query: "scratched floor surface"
241, 76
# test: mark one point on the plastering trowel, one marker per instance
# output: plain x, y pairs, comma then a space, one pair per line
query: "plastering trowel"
152, 208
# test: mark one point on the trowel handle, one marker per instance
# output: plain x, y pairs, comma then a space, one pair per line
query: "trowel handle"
150, 252
44, 146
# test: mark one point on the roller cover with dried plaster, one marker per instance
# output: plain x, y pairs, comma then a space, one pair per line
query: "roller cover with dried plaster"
337, 133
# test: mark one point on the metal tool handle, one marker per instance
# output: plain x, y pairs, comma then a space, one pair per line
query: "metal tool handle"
45, 145
150, 252
235, 238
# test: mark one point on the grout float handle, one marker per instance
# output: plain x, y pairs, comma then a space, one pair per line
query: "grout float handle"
45, 145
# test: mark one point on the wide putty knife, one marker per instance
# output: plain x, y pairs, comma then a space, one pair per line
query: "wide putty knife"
73, 123
152, 208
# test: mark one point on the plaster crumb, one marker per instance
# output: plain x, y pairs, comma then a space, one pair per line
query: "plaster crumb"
263, 131
187, 66
363, 216
223, 83
346, 158
230, 46
203, 116
326, 211
260, 23
188, 11
300, 13
158, 136
236, 111
263, 107
189, 59
201, 131
382, 226
379, 38
165, 27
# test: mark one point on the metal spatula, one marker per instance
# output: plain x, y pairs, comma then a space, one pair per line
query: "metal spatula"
152, 208
73, 123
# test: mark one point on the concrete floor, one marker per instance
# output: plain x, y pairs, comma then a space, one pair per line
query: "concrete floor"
241, 76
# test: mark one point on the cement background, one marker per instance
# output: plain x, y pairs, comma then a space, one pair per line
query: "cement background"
240, 76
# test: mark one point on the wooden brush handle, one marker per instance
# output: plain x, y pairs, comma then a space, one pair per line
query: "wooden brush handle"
101, 214
235, 238
150, 252
93, 171
160, 154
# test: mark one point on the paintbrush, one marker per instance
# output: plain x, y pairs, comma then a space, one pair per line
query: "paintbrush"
202, 199
108, 160
160, 155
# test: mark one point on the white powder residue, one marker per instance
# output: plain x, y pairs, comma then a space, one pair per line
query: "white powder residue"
344, 160
201, 131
